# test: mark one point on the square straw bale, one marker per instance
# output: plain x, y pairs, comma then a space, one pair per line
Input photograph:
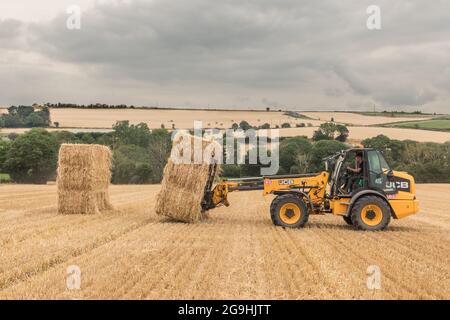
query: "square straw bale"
84, 175
183, 184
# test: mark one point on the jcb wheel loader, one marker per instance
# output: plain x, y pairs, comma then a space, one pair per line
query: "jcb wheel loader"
378, 194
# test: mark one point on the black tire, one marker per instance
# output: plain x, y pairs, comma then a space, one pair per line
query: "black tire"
371, 213
279, 218
272, 206
348, 220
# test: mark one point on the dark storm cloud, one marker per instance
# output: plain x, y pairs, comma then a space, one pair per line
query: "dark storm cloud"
253, 43
249, 48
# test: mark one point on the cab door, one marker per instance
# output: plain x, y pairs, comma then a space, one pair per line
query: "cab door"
380, 173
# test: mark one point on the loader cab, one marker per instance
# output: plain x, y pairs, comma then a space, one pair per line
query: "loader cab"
376, 173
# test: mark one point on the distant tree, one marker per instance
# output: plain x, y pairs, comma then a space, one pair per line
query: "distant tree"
12, 121
124, 133
143, 174
160, 145
87, 138
21, 111
291, 149
234, 126
65, 137
244, 125
33, 120
56, 124
328, 130
106, 139
343, 133
25, 116
322, 149
286, 125
124, 163
137, 164
392, 149
265, 126
44, 113
4, 149
319, 135
32, 157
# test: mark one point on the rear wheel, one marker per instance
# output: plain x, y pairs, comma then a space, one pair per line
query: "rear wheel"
371, 213
289, 211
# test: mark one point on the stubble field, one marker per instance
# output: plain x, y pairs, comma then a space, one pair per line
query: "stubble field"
79, 120
361, 133
182, 119
132, 253
359, 119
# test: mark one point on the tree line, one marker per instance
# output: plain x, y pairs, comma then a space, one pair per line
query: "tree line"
244, 125
88, 106
140, 154
428, 162
25, 117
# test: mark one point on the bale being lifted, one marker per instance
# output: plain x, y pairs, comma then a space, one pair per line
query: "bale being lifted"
186, 176
84, 174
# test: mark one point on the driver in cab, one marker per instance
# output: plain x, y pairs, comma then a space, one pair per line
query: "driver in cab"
357, 173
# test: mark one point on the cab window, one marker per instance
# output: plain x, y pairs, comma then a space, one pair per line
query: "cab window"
384, 165
378, 171
376, 177
375, 164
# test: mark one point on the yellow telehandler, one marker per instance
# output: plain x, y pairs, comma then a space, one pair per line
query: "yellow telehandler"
377, 194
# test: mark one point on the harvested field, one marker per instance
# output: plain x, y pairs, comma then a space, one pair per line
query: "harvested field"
359, 119
361, 133
100, 118
237, 253
182, 119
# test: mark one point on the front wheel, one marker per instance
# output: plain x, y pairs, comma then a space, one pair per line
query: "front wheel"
348, 220
371, 213
289, 211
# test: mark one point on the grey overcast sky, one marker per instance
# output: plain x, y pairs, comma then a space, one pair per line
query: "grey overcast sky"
297, 54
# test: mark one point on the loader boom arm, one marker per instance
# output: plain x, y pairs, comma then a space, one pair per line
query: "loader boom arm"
312, 185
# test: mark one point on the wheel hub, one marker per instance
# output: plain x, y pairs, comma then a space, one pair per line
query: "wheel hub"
370, 214
289, 213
